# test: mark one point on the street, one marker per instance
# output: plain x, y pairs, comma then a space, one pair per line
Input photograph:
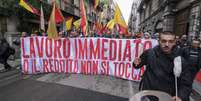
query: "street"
98, 50
51, 87
31, 90
71, 87
15, 86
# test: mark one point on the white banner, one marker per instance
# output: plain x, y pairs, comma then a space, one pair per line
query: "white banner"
103, 56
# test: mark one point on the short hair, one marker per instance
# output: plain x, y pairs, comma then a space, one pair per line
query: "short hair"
196, 40
167, 33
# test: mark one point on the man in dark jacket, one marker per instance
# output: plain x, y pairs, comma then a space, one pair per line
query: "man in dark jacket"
5, 52
159, 73
193, 55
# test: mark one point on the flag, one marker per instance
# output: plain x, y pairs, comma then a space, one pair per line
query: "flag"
83, 22
111, 24
52, 30
97, 26
58, 15
69, 23
102, 30
119, 20
118, 17
96, 3
77, 23
42, 20
122, 29
28, 7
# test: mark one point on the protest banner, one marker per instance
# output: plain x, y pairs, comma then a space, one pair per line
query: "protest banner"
104, 56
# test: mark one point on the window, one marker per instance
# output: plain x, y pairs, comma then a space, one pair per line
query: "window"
3, 25
182, 22
194, 19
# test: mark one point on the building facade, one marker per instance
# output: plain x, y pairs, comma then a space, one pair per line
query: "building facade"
133, 22
178, 16
14, 18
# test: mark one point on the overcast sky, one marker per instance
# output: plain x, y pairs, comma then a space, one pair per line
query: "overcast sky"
125, 6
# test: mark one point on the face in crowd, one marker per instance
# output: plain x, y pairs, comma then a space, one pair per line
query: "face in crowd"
167, 41
147, 36
195, 43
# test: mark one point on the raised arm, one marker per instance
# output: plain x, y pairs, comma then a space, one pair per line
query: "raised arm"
141, 61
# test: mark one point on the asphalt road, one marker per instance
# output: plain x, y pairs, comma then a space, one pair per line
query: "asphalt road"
32, 90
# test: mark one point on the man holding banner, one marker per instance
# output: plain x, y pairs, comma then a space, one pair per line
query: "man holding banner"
159, 73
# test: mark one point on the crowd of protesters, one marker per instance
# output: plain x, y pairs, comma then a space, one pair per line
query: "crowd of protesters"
94, 32
74, 34
190, 51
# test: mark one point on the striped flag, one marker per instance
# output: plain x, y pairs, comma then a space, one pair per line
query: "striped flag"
28, 7
83, 22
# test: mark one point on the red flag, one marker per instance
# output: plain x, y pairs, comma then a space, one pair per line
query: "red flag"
58, 15
83, 23
35, 10
198, 77
97, 26
103, 30
122, 29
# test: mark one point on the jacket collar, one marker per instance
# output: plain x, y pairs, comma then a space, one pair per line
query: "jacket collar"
173, 54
